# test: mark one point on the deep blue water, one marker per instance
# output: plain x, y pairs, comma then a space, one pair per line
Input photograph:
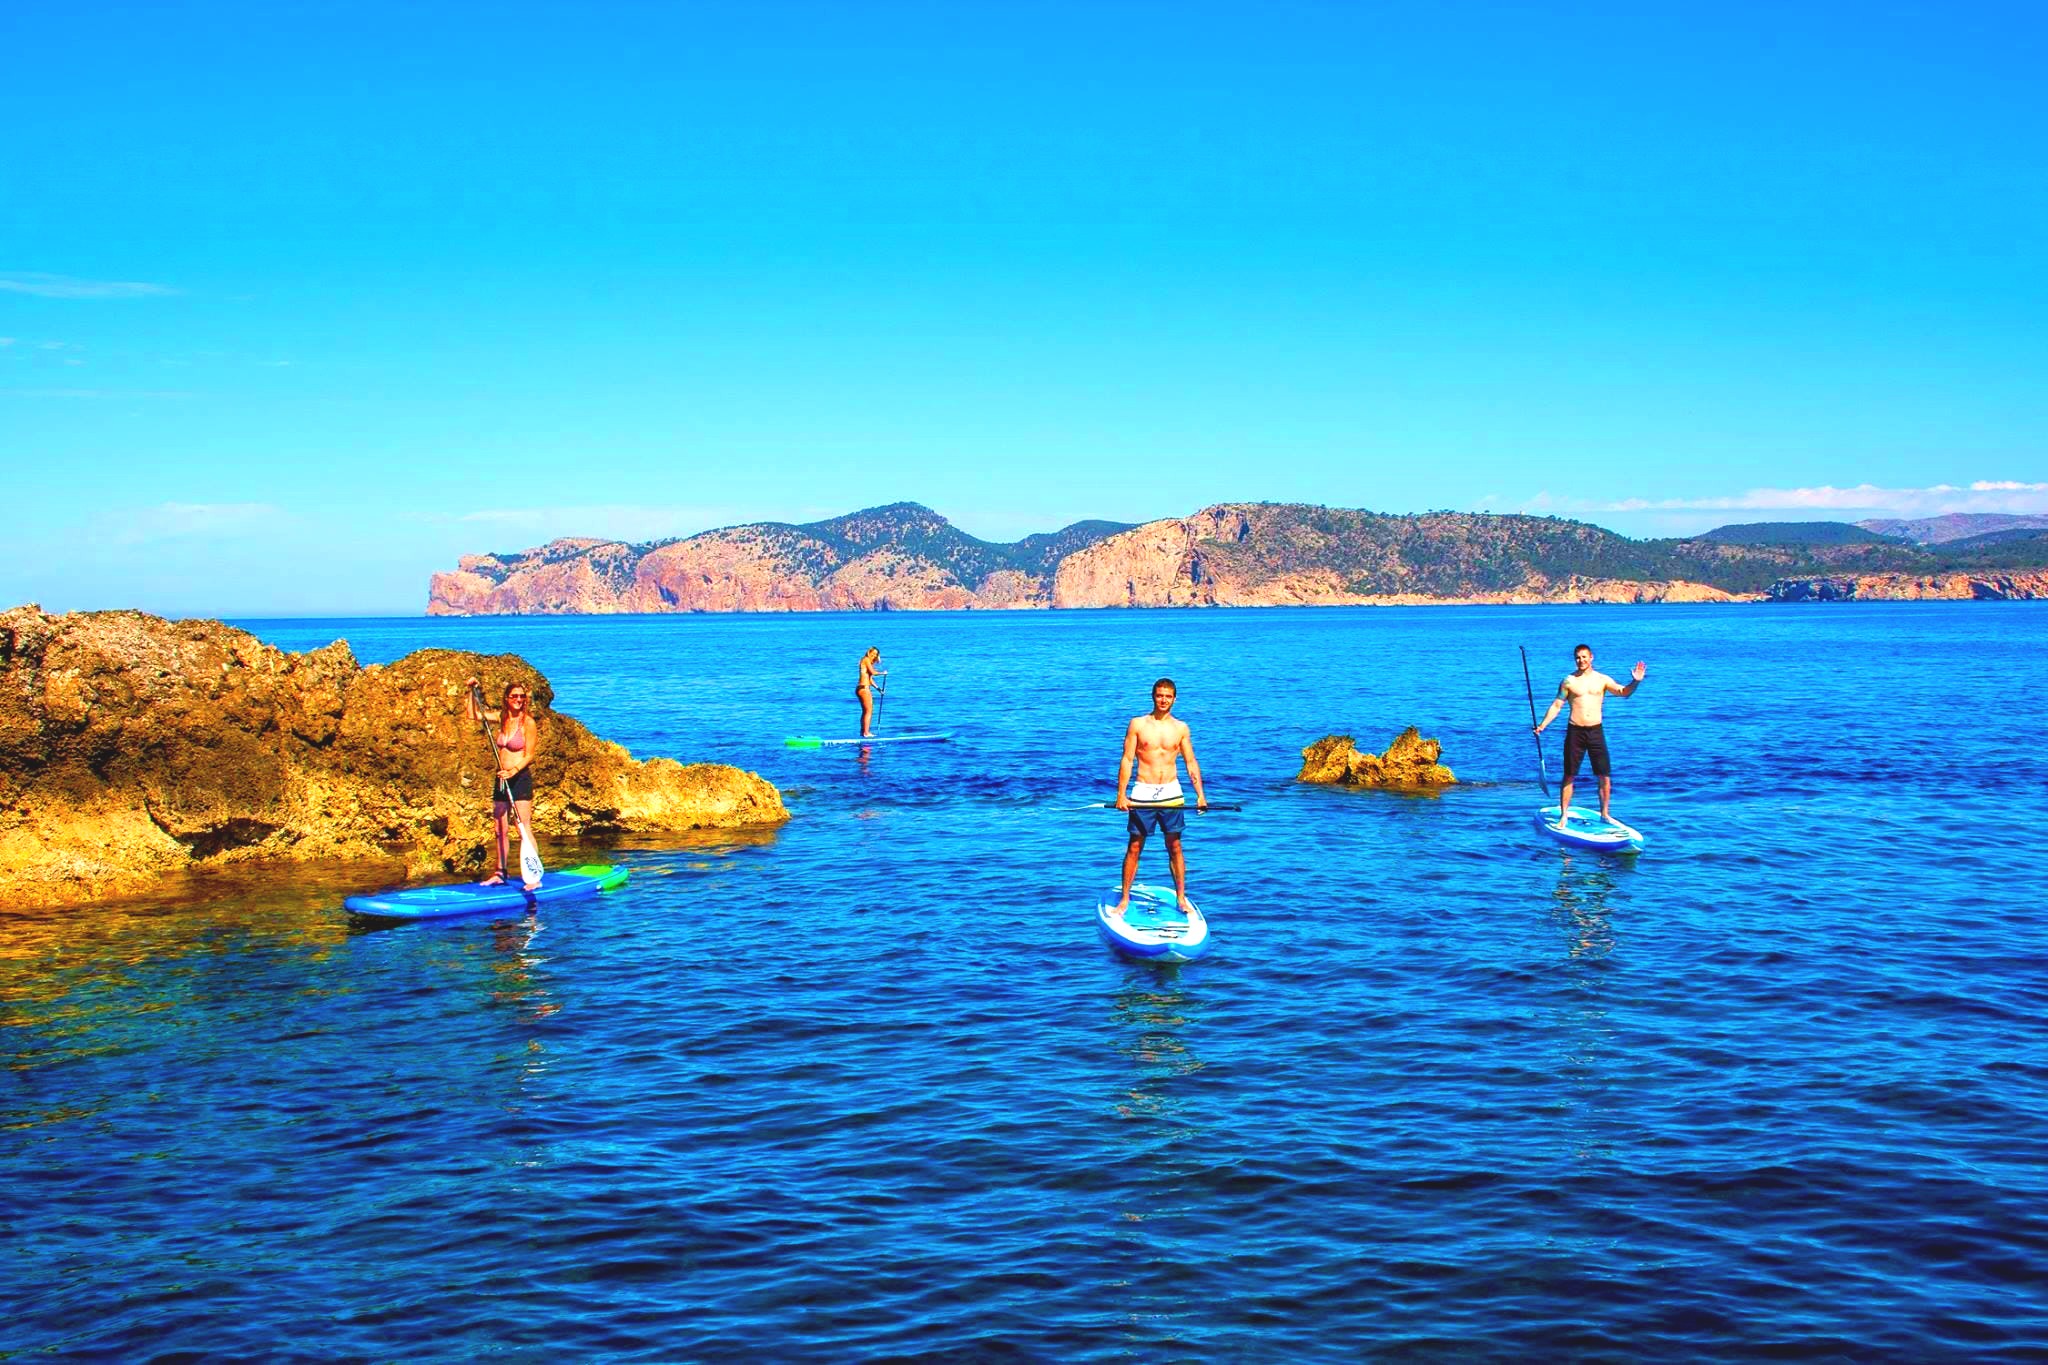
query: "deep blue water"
870, 1085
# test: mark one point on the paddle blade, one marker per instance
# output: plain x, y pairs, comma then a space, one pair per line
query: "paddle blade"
530, 869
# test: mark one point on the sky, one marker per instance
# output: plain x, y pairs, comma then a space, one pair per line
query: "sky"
299, 303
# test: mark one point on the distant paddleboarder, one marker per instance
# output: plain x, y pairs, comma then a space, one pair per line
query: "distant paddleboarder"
1584, 689
867, 688
1156, 743
518, 736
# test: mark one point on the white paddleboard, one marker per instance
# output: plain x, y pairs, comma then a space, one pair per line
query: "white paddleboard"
1587, 830
1153, 928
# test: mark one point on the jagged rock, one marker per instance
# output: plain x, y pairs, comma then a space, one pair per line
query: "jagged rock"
1410, 761
132, 747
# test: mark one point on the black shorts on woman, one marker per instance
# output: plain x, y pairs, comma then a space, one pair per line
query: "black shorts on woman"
1584, 741
521, 784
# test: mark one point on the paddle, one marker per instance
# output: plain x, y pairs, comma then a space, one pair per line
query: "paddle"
881, 695
530, 869
1211, 808
1542, 773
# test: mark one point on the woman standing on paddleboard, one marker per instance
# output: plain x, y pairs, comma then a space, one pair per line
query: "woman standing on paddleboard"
517, 737
865, 689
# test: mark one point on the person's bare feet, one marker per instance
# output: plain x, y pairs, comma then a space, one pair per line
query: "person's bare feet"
495, 879
1122, 907
1187, 907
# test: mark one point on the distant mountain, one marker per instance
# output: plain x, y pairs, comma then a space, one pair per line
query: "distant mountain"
1954, 526
903, 555
1794, 533
906, 556
2016, 536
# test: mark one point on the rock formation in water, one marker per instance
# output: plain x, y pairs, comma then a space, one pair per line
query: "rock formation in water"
1898, 587
1410, 761
132, 747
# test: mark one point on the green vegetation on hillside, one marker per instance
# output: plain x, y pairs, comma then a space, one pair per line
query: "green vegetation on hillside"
1794, 533
1450, 554
1436, 554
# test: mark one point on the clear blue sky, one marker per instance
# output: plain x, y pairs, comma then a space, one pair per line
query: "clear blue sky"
303, 301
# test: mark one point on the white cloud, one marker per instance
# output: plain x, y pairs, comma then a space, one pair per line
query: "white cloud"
1984, 495
67, 287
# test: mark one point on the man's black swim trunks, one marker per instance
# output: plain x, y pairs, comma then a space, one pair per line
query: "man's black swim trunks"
1584, 741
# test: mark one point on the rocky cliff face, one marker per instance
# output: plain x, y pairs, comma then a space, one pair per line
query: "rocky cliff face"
1235, 554
132, 747
1279, 555
900, 557
1940, 587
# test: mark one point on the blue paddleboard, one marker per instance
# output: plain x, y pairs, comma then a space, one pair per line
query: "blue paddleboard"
1153, 928
813, 742
472, 898
1587, 830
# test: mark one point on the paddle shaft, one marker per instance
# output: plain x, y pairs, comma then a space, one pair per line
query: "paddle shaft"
1542, 774
1141, 805
476, 697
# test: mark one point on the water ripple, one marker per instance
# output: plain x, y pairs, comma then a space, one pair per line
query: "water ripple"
869, 1087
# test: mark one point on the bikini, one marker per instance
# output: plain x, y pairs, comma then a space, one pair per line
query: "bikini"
520, 782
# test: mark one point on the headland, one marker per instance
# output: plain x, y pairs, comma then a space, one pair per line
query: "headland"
907, 557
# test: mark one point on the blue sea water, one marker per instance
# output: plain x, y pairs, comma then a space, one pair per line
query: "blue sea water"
870, 1086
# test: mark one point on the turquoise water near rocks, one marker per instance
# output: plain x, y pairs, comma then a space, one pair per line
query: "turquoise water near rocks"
869, 1085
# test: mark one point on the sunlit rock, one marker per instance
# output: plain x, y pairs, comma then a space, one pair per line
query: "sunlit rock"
132, 747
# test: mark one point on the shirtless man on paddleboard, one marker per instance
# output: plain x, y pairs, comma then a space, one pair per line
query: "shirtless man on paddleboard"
1584, 689
1156, 743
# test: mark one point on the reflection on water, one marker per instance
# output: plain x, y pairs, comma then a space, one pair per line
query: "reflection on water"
1150, 1011
1585, 883
1583, 908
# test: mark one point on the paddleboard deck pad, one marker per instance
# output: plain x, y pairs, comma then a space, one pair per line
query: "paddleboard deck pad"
474, 898
813, 742
1586, 830
1153, 928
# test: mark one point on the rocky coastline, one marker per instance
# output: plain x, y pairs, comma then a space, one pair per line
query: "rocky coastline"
134, 748
1897, 587
906, 557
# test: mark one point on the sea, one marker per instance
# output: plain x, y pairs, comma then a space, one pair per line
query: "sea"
869, 1085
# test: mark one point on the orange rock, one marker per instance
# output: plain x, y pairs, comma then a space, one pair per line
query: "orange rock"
1410, 761
132, 747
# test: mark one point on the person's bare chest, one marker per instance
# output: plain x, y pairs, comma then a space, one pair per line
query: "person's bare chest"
1158, 738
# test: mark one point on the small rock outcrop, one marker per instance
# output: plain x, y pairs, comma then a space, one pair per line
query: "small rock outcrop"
132, 747
1410, 761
